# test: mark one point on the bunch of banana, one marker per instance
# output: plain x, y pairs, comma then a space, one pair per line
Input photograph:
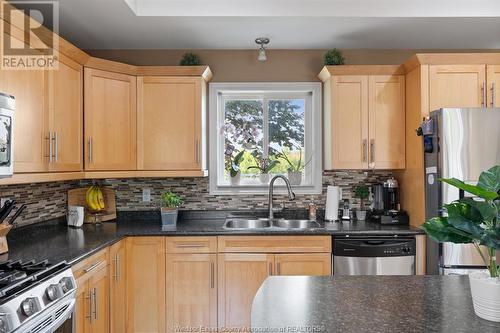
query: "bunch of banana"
94, 199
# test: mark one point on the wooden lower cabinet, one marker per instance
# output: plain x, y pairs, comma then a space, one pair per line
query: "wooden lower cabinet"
145, 284
191, 293
92, 302
303, 264
118, 287
240, 276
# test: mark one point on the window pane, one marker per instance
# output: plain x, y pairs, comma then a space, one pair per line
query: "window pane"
286, 134
243, 128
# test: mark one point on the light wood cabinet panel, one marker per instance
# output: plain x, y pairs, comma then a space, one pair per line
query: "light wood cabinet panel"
146, 284
312, 264
110, 121
274, 244
493, 86
240, 276
349, 126
66, 115
457, 86
99, 289
169, 123
31, 143
118, 287
191, 292
82, 307
386, 105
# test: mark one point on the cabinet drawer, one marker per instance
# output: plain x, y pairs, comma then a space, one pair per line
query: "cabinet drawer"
191, 244
91, 264
275, 244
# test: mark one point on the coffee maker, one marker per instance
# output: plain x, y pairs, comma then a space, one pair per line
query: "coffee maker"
386, 206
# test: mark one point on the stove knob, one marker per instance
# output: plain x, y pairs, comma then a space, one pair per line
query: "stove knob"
52, 292
66, 284
28, 306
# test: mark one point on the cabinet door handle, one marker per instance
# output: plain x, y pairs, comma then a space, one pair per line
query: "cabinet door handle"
186, 246
117, 267
492, 89
270, 268
90, 150
483, 95
56, 147
372, 150
89, 297
278, 269
95, 302
92, 267
365, 148
50, 155
212, 275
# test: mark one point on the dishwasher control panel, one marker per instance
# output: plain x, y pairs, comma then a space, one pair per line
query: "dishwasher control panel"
374, 247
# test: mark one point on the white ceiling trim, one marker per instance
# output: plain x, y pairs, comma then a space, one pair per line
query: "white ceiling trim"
316, 8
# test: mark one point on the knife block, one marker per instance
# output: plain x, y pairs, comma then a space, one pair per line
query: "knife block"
4, 230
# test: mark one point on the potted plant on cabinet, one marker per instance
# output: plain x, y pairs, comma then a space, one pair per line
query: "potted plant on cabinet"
361, 192
234, 168
264, 165
295, 168
170, 208
475, 221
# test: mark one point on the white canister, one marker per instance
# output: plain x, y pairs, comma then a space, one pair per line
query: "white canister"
76, 215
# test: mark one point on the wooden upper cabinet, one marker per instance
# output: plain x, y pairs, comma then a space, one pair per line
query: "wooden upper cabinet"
191, 292
31, 143
493, 85
349, 122
110, 121
310, 264
146, 284
240, 276
386, 121
118, 287
170, 117
66, 116
457, 86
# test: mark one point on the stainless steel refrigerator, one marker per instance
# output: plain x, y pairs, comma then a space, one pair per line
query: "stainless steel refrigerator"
459, 143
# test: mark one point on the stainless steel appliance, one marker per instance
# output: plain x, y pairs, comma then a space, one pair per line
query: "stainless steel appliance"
36, 297
386, 208
374, 256
7, 106
458, 143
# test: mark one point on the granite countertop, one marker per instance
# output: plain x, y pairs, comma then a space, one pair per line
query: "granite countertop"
367, 304
55, 241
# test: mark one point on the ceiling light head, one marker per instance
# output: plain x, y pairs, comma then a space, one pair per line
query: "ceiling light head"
262, 41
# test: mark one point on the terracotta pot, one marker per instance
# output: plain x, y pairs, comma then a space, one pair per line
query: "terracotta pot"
295, 177
485, 292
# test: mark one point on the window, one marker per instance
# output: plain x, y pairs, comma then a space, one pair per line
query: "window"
259, 130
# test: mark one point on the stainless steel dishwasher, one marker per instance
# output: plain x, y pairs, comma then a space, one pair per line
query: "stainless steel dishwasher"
374, 256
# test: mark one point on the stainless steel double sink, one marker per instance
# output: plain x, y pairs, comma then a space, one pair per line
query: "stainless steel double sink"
252, 223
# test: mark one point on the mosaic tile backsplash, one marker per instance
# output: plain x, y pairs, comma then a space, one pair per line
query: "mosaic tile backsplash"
48, 200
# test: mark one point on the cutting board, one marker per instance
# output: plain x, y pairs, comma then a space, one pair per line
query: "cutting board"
76, 197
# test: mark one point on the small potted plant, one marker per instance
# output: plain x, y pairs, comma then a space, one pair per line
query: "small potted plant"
475, 221
295, 168
361, 192
264, 165
333, 57
190, 59
234, 168
170, 208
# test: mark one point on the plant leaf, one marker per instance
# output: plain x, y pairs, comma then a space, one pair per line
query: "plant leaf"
490, 179
472, 189
438, 229
490, 238
487, 210
458, 218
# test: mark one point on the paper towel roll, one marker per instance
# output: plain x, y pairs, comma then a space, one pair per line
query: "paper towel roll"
333, 196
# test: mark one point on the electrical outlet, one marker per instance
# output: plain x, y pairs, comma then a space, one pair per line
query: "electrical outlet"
3, 200
146, 195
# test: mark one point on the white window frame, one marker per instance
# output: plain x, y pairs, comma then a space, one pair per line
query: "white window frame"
313, 132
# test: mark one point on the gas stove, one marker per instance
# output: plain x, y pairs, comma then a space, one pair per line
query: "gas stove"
35, 297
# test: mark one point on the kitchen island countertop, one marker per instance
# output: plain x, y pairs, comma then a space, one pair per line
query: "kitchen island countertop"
367, 304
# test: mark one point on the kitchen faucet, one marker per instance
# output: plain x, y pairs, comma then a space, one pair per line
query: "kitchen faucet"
291, 195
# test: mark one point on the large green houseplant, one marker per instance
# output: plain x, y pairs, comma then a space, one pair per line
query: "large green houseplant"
475, 221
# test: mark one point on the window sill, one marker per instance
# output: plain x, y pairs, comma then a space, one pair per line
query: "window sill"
263, 189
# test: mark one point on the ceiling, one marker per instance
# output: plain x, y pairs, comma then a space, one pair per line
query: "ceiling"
290, 24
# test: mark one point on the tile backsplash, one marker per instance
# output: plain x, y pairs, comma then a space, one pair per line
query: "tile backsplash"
48, 200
